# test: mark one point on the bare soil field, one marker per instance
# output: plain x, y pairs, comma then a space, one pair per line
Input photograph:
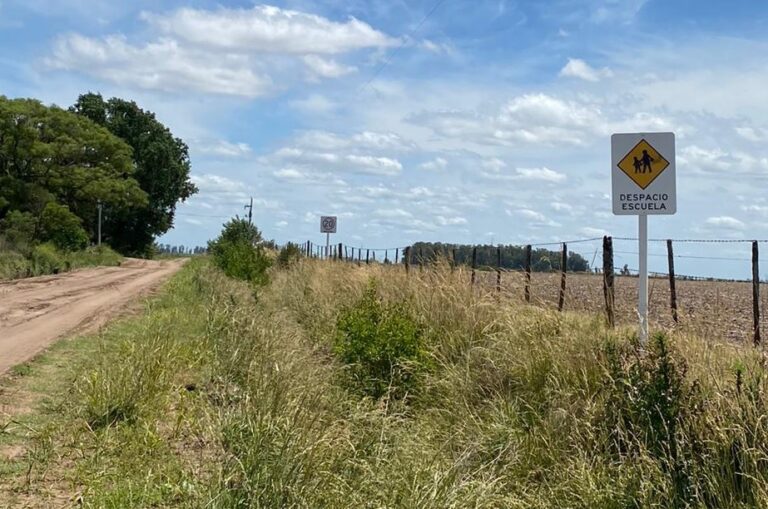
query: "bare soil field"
709, 309
35, 312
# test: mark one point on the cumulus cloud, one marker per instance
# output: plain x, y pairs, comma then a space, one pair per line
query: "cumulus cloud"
268, 29
162, 65
577, 68
224, 51
725, 222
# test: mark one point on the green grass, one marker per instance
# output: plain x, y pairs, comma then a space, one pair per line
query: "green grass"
46, 259
220, 397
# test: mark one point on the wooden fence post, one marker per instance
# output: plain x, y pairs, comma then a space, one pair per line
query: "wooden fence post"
359, 255
367, 256
608, 278
527, 267
341, 251
755, 293
563, 270
474, 263
498, 269
397, 256
453, 259
407, 258
386, 256
672, 289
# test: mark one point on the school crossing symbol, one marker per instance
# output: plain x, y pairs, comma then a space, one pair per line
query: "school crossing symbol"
643, 164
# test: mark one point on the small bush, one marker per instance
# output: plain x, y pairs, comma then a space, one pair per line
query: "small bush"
238, 252
382, 345
62, 228
288, 255
13, 265
46, 259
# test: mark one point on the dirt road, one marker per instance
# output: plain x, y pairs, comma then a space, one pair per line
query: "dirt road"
35, 312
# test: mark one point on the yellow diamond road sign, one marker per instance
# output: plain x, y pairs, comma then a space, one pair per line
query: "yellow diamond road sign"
643, 164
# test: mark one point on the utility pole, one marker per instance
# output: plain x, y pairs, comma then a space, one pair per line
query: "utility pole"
250, 211
100, 206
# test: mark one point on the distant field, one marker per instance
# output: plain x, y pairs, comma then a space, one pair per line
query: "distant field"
709, 309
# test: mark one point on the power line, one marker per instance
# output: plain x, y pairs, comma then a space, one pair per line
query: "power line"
397, 50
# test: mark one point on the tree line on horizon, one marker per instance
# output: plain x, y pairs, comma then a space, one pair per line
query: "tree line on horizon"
512, 257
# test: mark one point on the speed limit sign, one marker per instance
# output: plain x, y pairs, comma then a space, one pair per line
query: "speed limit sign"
328, 224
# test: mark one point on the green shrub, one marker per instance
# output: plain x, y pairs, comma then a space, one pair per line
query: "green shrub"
92, 257
238, 252
382, 344
19, 228
46, 259
62, 228
13, 265
288, 255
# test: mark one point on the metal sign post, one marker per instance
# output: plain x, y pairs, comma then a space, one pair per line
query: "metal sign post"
644, 183
328, 226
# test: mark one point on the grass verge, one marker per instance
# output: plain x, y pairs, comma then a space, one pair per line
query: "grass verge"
46, 259
324, 389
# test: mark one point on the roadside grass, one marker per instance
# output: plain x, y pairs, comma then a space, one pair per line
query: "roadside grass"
339, 386
46, 259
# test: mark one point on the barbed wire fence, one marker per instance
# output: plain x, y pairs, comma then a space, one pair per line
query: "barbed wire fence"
596, 246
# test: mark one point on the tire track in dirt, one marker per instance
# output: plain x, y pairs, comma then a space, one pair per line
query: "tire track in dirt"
35, 312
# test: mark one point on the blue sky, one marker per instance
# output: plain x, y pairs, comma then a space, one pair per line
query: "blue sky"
483, 122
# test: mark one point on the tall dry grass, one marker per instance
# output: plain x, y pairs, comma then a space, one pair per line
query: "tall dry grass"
228, 396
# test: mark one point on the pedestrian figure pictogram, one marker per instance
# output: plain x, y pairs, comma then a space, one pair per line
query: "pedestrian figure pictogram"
643, 164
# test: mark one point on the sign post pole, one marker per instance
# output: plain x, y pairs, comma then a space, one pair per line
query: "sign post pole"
644, 183
642, 303
327, 244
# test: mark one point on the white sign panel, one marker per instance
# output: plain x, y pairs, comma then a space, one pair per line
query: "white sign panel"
328, 224
643, 174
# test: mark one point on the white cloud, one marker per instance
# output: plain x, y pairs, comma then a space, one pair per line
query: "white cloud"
436, 164
725, 222
241, 52
543, 174
494, 164
220, 148
392, 213
268, 29
162, 65
589, 231
216, 184
526, 119
450, 221
752, 134
561, 207
326, 68
290, 174
577, 68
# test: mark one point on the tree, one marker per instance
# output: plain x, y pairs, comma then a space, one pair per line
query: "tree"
162, 171
49, 155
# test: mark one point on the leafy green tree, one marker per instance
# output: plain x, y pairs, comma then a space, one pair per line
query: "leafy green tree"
62, 228
48, 154
162, 170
